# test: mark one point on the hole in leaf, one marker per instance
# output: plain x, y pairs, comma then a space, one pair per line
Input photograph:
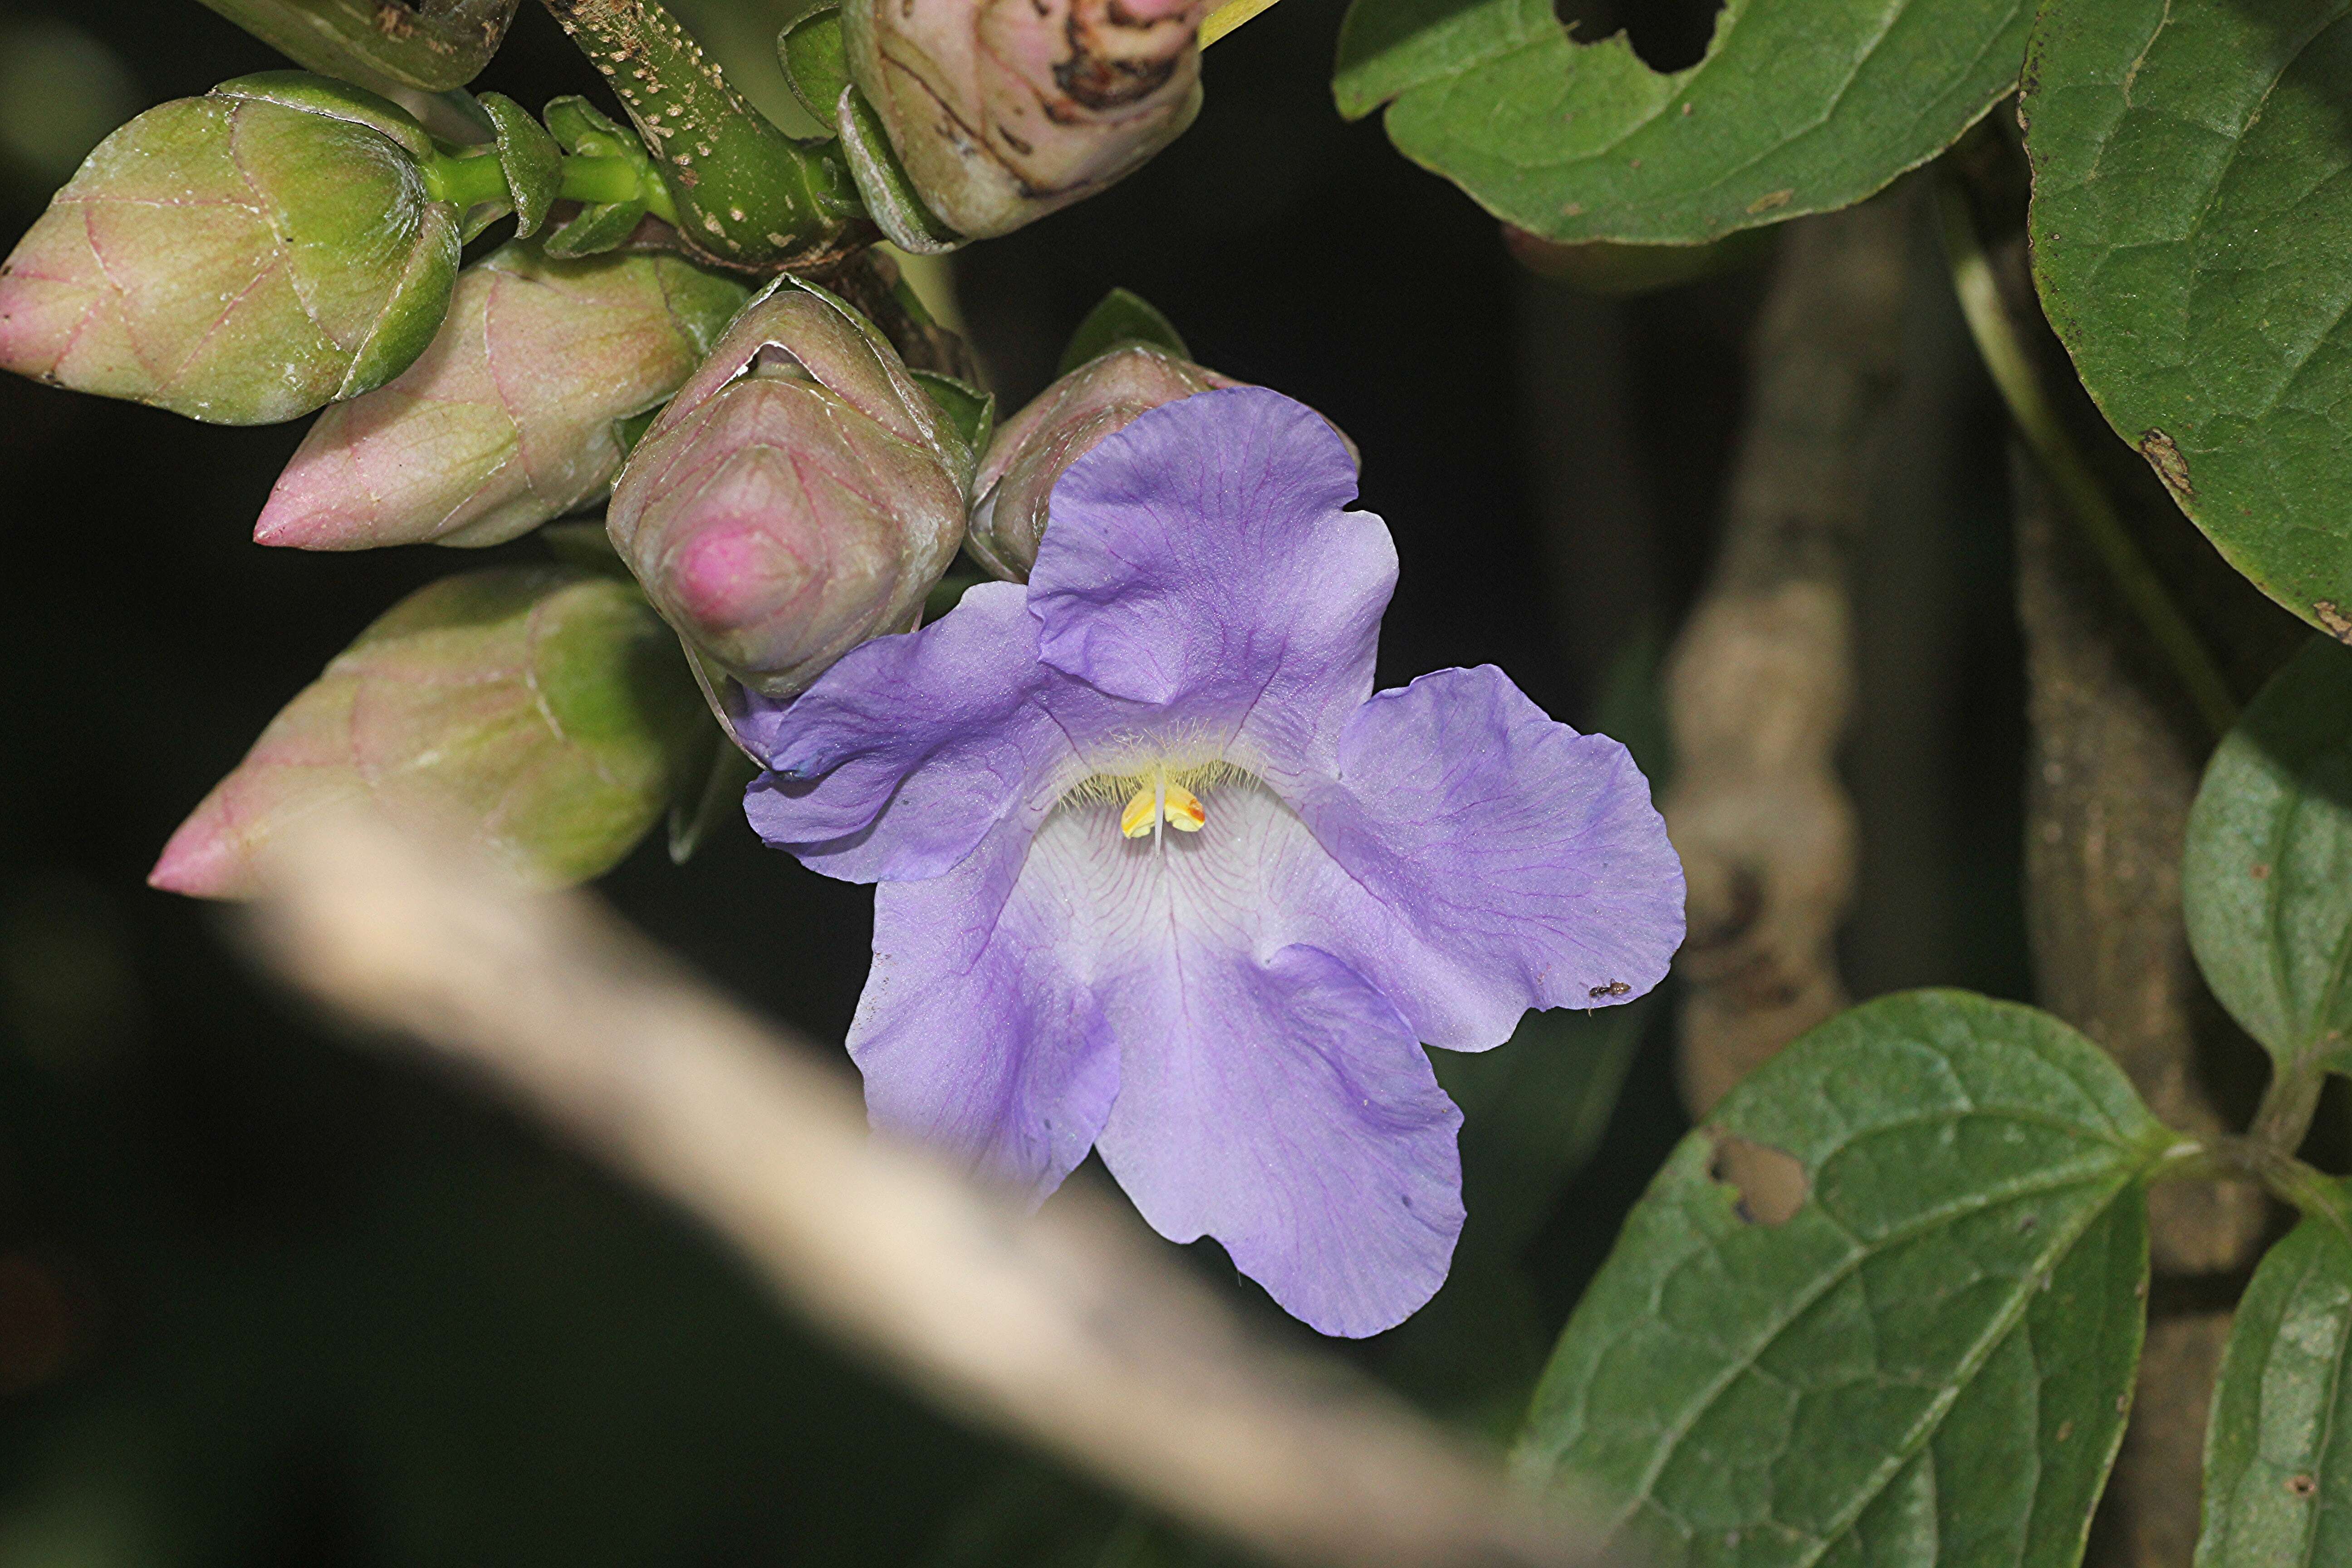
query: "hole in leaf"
1771, 1182
1667, 35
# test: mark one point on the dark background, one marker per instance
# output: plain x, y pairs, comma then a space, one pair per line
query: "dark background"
268, 1296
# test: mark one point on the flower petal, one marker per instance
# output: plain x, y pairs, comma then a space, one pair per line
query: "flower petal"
971, 1036
1284, 1107
1267, 1094
1520, 864
939, 728
1203, 553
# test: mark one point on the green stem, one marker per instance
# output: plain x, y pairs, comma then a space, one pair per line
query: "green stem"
2311, 1191
2234, 1159
600, 180
473, 179
2284, 1117
469, 181
746, 195
2012, 367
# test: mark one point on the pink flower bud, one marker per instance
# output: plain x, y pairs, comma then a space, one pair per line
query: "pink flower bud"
1066, 421
510, 417
540, 712
800, 495
1004, 111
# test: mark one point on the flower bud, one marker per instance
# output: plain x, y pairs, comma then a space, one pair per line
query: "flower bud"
241, 257
1066, 421
541, 712
800, 494
511, 417
1004, 111
426, 48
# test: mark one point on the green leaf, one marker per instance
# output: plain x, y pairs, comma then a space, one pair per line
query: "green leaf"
2278, 1451
544, 713
2192, 239
1123, 317
1911, 1341
2266, 881
1801, 106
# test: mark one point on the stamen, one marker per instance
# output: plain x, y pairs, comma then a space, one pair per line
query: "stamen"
1185, 812
1140, 816
1162, 801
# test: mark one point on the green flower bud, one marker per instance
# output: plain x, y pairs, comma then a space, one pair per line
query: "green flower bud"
800, 495
1004, 111
541, 712
424, 45
241, 257
513, 415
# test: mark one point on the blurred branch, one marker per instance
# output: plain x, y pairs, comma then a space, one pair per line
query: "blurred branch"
1067, 1329
1760, 682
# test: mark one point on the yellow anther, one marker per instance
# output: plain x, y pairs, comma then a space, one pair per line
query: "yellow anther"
1162, 800
1142, 812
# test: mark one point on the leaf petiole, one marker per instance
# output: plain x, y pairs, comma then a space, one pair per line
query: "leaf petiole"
2013, 371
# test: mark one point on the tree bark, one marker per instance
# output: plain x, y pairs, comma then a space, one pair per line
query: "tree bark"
2110, 773
1760, 682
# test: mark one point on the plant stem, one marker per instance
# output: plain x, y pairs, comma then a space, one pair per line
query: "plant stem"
2288, 1105
2250, 1159
600, 180
2011, 368
475, 179
468, 182
747, 195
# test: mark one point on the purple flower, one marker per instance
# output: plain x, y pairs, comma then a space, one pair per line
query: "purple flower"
1159, 875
